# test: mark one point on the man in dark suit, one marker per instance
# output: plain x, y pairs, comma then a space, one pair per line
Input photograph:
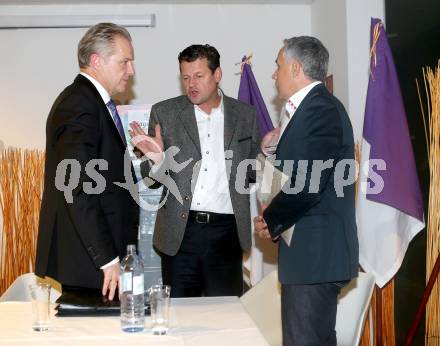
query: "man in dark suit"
322, 256
86, 220
204, 226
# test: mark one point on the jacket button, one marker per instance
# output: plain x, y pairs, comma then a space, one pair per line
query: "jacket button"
186, 198
91, 251
183, 215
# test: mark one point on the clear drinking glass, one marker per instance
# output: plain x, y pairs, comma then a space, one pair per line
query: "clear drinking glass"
160, 308
40, 294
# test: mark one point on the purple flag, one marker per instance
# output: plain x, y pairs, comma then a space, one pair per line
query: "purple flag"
389, 211
250, 93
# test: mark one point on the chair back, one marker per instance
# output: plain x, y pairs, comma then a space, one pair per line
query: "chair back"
19, 290
353, 306
263, 303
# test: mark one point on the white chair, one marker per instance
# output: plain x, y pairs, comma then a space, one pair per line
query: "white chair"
353, 306
19, 291
263, 304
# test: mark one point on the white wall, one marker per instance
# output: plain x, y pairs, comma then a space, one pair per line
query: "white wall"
344, 28
329, 25
36, 64
359, 13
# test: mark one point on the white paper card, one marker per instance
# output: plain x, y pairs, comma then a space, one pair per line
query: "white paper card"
270, 181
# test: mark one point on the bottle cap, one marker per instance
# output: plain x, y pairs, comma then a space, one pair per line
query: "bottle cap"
131, 248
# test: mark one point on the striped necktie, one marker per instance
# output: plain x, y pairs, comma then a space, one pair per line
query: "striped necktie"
111, 105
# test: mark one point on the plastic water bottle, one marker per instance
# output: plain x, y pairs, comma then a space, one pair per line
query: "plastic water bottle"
131, 289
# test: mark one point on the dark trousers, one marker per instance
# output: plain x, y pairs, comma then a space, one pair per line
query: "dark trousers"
308, 314
209, 261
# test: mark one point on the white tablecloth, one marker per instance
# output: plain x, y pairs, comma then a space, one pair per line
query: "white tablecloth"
194, 322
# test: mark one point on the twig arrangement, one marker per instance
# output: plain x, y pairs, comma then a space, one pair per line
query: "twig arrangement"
21, 186
432, 133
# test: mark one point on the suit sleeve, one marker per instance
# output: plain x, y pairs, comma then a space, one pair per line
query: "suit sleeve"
77, 138
315, 137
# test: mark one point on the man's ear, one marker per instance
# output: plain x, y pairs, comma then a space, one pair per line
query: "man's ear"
295, 68
218, 74
95, 61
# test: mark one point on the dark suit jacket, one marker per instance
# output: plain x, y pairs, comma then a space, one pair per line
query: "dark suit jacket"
76, 239
179, 128
324, 246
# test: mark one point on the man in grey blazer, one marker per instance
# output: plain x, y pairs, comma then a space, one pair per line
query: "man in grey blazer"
315, 146
197, 146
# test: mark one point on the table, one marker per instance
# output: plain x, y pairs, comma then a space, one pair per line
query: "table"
193, 322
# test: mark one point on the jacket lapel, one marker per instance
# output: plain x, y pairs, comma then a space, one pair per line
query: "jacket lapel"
107, 117
187, 117
231, 118
300, 110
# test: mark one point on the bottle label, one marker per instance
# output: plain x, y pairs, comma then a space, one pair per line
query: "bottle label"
138, 284
126, 282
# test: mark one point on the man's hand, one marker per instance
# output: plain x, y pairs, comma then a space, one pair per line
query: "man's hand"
260, 224
111, 279
151, 147
270, 140
261, 227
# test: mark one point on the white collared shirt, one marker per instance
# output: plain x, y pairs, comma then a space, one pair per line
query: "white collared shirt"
101, 90
293, 103
211, 192
105, 97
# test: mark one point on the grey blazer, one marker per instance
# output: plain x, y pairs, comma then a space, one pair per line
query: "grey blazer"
176, 117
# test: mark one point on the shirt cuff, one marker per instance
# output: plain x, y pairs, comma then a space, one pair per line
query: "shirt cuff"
269, 151
155, 167
116, 260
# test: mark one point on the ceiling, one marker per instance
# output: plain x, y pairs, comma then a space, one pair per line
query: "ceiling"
104, 2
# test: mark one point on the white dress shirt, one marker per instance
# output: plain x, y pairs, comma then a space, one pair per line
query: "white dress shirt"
101, 90
211, 192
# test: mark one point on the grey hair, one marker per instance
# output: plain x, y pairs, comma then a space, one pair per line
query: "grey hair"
310, 53
99, 39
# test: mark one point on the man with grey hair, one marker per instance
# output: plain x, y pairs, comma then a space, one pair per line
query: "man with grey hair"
322, 254
80, 240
